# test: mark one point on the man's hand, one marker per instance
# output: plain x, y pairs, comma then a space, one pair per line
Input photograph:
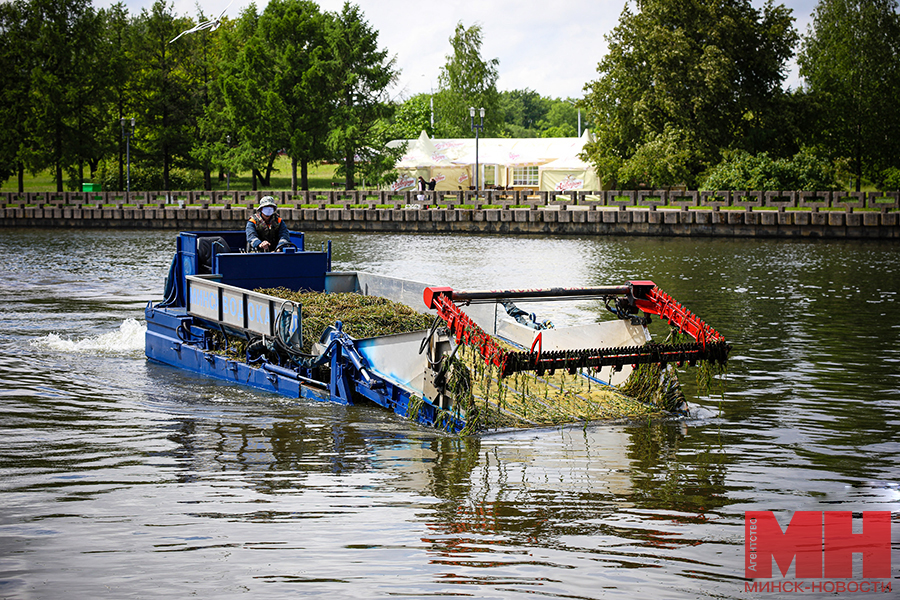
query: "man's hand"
264, 246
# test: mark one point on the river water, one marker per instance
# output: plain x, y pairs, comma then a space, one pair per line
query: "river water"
126, 479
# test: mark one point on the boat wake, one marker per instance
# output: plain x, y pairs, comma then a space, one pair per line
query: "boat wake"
128, 338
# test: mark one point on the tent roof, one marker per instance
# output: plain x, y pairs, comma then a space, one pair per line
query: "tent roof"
420, 152
426, 152
567, 163
572, 162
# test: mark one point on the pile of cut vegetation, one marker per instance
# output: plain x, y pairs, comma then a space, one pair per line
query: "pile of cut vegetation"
361, 316
526, 399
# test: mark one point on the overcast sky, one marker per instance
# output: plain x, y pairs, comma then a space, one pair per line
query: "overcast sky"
550, 47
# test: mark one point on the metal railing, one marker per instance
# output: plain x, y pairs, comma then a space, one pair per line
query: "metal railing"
618, 200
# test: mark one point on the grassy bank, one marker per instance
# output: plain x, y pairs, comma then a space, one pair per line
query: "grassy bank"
321, 177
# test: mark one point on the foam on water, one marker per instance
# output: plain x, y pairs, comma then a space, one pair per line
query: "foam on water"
129, 337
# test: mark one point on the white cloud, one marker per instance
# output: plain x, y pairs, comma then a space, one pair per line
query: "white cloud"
552, 48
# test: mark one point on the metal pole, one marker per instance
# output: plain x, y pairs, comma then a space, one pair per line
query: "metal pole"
127, 134
128, 159
122, 123
476, 159
579, 115
526, 294
476, 128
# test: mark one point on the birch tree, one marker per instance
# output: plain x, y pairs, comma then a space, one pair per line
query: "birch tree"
467, 80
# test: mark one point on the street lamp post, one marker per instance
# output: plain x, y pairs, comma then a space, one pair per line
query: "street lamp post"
228, 172
476, 129
579, 116
127, 135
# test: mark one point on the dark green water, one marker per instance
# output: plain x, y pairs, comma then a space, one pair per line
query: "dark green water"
128, 479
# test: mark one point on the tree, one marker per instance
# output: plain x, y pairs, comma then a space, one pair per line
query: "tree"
276, 89
236, 135
200, 65
294, 32
212, 130
850, 61
561, 120
522, 110
706, 70
118, 66
164, 94
67, 85
358, 75
15, 76
412, 117
466, 80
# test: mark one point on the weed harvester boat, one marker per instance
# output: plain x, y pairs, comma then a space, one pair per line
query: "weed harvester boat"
475, 361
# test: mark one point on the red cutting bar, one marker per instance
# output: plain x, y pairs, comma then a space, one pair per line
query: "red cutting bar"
464, 328
644, 294
652, 300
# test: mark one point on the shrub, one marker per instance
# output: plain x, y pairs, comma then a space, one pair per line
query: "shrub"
741, 170
665, 159
890, 179
145, 179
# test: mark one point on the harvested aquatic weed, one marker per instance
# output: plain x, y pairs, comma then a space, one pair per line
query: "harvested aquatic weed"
707, 371
526, 399
361, 316
655, 384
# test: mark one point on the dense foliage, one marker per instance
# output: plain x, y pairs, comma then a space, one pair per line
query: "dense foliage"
707, 73
522, 114
292, 80
689, 94
850, 59
741, 170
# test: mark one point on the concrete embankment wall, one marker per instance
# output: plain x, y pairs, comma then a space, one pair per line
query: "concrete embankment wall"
642, 212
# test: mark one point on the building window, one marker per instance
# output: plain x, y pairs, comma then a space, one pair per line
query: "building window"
525, 175
490, 175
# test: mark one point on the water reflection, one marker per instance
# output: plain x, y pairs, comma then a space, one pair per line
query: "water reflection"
669, 472
500, 500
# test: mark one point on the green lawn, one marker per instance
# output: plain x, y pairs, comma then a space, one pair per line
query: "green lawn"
320, 178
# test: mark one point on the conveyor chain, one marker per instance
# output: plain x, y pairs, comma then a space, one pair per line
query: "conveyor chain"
572, 360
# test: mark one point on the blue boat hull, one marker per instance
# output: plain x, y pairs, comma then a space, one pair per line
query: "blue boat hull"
178, 339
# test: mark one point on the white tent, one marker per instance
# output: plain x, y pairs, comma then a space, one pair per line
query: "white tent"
424, 158
419, 159
570, 172
420, 154
502, 161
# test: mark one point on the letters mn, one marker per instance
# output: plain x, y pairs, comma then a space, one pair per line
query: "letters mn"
821, 544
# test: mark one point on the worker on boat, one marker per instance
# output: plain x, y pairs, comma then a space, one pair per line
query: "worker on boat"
266, 231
